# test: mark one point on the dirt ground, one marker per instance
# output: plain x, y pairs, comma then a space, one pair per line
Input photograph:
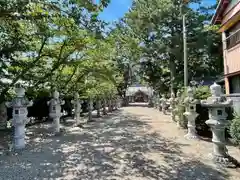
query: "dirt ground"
134, 143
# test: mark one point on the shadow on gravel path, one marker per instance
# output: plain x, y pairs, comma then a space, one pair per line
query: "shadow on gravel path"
113, 147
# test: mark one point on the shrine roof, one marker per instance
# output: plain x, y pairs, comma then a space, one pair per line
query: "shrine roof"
134, 89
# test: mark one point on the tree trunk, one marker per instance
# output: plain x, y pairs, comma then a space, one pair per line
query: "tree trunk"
90, 108
104, 107
98, 108
3, 116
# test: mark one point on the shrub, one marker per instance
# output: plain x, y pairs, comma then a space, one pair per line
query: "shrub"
202, 92
235, 129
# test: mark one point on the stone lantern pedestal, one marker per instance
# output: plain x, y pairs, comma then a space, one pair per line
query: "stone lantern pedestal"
19, 105
77, 108
55, 111
218, 123
190, 113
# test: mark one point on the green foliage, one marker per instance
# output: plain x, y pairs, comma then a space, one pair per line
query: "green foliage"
158, 28
202, 92
54, 45
39, 93
63, 45
235, 129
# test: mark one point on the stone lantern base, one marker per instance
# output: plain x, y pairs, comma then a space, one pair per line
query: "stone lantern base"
225, 161
220, 154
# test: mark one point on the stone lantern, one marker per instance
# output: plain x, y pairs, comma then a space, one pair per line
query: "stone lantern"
19, 105
163, 102
190, 113
55, 110
217, 105
172, 102
77, 108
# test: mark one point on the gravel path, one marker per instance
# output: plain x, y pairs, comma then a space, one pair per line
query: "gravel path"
134, 143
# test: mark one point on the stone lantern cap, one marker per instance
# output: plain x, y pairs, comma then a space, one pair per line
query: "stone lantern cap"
216, 100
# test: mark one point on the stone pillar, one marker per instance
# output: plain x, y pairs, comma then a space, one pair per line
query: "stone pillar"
190, 113
163, 102
90, 109
217, 121
55, 111
19, 105
172, 101
3, 116
77, 108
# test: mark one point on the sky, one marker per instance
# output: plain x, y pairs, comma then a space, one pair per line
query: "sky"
117, 8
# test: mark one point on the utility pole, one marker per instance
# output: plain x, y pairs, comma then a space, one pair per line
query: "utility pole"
185, 51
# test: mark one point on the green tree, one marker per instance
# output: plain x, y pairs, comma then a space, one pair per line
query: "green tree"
40, 39
158, 24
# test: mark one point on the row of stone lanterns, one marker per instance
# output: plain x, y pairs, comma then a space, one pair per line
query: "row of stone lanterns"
20, 104
218, 122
